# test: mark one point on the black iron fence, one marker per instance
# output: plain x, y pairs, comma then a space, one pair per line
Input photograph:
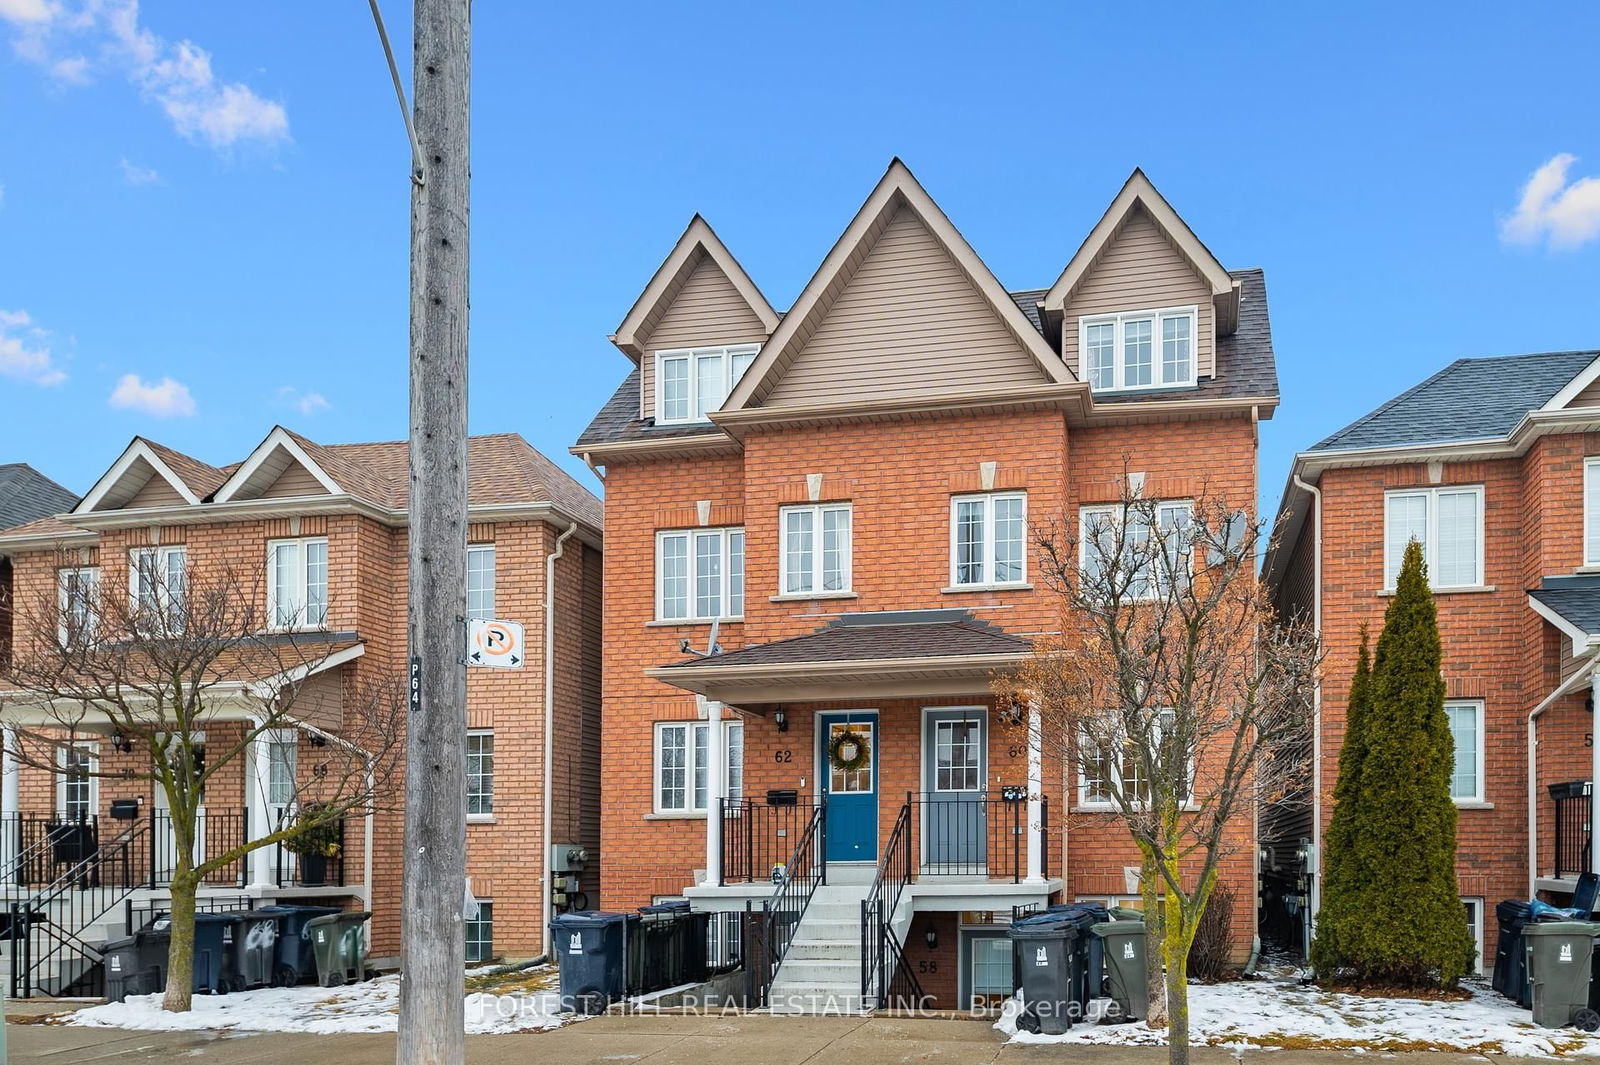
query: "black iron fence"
977, 834
1572, 829
758, 837
881, 961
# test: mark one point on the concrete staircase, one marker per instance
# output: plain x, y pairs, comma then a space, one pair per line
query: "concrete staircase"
821, 972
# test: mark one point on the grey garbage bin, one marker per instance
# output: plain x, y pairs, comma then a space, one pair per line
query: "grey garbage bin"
1560, 959
337, 945
124, 974
591, 947
297, 962
1050, 970
1126, 966
255, 950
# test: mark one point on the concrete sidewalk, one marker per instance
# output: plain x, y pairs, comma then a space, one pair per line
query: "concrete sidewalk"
750, 1039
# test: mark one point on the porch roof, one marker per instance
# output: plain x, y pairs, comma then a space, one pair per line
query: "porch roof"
1572, 604
909, 652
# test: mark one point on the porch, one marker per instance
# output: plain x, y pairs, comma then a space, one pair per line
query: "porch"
1571, 807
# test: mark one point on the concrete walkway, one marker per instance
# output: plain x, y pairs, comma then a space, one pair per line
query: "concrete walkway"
658, 1040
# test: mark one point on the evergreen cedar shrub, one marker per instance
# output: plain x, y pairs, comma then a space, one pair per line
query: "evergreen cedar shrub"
1391, 910
1213, 937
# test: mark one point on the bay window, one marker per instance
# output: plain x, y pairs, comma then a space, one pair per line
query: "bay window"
1139, 349
693, 382
815, 556
700, 574
1447, 522
988, 539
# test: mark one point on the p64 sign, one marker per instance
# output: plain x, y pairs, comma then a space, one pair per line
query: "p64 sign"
497, 644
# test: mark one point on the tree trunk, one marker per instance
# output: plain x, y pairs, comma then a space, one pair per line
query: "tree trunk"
1176, 949
179, 995
1154, 922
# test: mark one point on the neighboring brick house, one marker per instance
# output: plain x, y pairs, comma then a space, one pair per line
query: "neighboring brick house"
840, 497
25, 495
1492, 464
325, 528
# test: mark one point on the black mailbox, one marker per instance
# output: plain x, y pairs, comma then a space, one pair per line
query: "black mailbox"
125, 809
782, 796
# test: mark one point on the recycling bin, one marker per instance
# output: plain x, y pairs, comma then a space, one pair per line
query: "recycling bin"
1560, 956
296, 962
1049, 967
126, 970
1125, 959
213, 945
338, 946
591, 947
254, 959
1510, 956
1092, 970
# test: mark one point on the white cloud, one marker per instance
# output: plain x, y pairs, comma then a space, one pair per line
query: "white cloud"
307, 403
1562, 214
24, 355
164, 399
134, 174
60, 37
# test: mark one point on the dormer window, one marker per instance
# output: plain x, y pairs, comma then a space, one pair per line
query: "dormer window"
1139, 349
693, 382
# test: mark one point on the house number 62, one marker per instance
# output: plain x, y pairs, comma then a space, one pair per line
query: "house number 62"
783, 756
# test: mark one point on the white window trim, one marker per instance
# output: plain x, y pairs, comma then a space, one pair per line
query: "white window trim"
989, 499
93, 750
1118, 366
64, 602
689, 809
692, 617
301, 625
482, 905
1102, 805
1591, 470
1480, 799
1112, 511
817, 510
161, 554
1476, 929
726, 353
1430, 550
494, 571
484, 818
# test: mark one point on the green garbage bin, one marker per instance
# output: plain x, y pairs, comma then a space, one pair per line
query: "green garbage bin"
340, 950
1560, 959
1127, 975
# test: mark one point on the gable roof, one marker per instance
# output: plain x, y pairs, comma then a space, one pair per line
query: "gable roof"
898, 189
27, 495
1138, 193
1471, 399
698, 243
190, 478
1572, 604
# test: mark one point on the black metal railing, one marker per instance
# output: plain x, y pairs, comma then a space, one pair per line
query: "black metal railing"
311, 870
137, 918
981, 834
217, 833
880, 949
773, 928
757, 837
1572, 830
41, 845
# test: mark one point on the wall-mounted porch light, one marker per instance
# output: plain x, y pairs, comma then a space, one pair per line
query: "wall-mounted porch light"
121, 742
931, 937
780, 719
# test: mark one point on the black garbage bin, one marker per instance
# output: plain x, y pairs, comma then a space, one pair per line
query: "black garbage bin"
1049, 962
591, 947
1510, 959
213, 946
1086, 915
254, 959
127, 970
296, 962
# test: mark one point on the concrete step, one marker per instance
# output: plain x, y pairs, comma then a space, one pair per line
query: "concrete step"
829, 1000
823, 950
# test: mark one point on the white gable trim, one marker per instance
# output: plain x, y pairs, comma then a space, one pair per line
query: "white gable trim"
897, 188
698, 241
268, 686
137, 450
1581, 641
277, 440
1586, 377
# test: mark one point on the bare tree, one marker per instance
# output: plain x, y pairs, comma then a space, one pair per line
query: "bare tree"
1175, 693
187, 672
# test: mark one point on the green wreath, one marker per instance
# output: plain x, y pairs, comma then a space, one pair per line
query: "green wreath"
848, 740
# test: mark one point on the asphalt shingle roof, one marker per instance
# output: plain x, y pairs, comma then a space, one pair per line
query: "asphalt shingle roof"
859, 637
27, 495
1575, 598
1471, 399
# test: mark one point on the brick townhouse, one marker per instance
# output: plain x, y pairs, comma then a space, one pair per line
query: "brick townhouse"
324, 526
835, 502
1493, 465
25, 495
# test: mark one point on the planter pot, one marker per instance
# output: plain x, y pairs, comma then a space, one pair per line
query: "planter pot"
313, 869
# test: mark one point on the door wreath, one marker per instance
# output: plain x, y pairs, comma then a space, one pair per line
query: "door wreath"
848, 751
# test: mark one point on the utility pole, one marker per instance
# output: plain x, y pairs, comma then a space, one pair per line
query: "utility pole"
433, 947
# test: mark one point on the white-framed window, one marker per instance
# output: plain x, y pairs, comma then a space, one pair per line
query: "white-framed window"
297, 583
988, 539
1474, 916
682, 757
1103, 773
78, 604
815, 557
1139, 349
957, 756
158, 582
700, 574
693, 382
991, 974
1097, 542
480, 580
283, 758
480, 933
480, 773
1466, 729
77, 797
1447, 522
1591, 512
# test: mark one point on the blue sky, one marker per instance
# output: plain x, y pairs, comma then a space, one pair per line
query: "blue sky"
204, 213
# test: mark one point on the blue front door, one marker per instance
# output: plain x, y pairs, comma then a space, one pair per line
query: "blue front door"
848, 768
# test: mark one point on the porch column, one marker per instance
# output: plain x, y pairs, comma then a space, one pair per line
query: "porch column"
1036, 840
10, 821
716, 758
257, 782
1594, 777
